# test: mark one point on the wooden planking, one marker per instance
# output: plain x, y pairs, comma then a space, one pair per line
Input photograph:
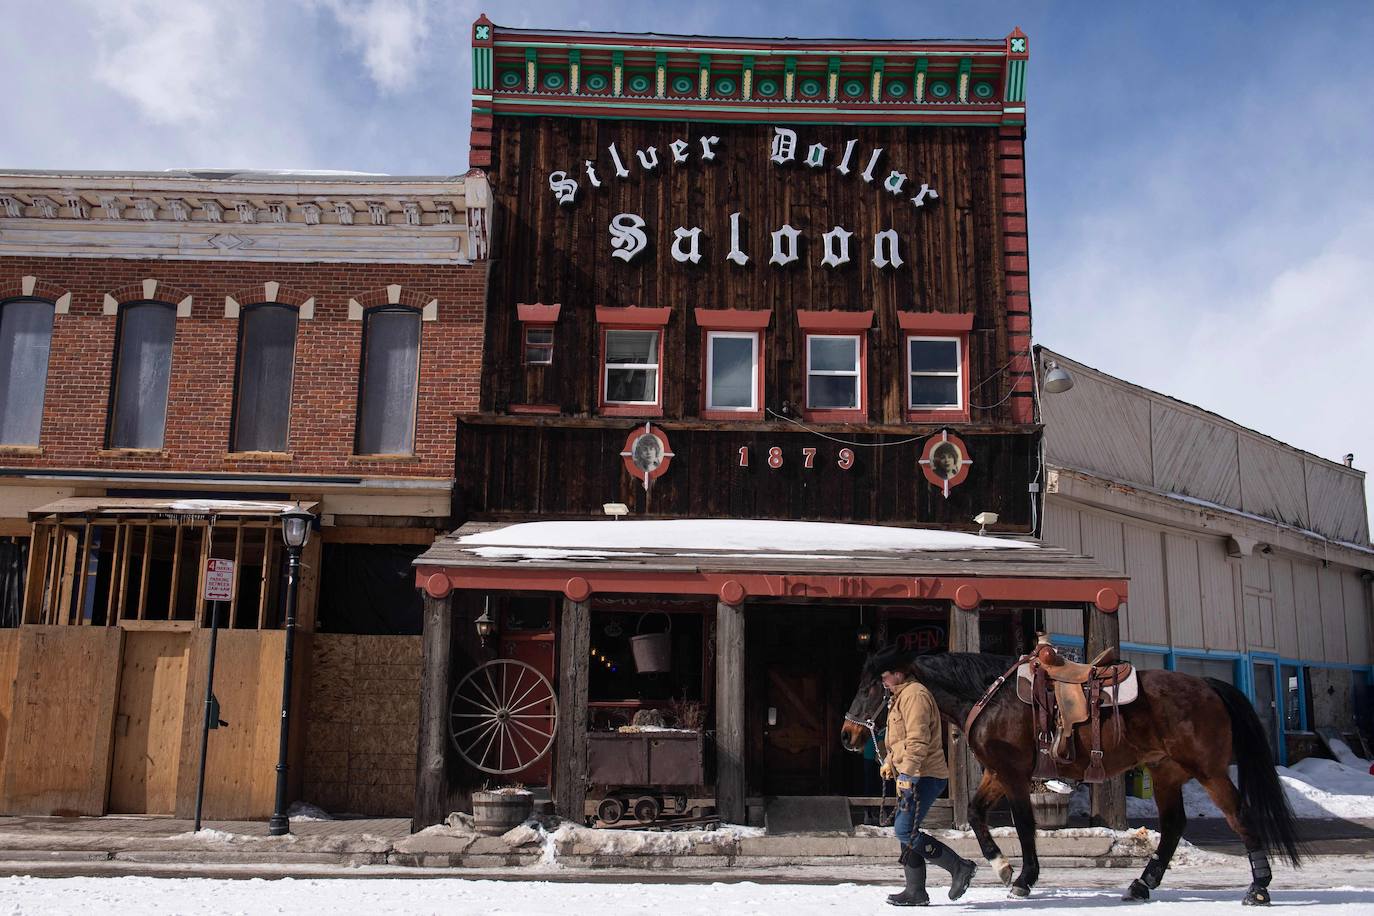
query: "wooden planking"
57, 752
431, 780
1145, 618
1357, 618
574, 644
1332, 614
1308, 600
240, 772
1218, 579
1063, 529
1271, 481
1286, 622
546, 252
505, 469
148, 722
1193, 456
730, 712
965, 773
1102, 631
9, 660
1336, 500
1099, 427
1185, 591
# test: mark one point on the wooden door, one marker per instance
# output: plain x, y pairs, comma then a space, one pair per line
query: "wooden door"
796, 749
527, 636
148, 723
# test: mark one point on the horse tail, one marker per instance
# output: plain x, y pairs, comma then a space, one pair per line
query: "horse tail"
1264, 808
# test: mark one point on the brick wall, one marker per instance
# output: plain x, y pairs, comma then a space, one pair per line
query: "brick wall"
362, 724
201, 392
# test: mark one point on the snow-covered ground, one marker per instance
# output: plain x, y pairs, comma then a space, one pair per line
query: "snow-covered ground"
341, 896
1316, 788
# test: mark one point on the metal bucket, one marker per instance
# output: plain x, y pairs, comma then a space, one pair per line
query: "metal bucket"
653, 652
497, 812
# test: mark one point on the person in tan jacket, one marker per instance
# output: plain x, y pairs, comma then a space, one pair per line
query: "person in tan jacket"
916, 759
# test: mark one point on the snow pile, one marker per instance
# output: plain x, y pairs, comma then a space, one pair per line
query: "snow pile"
552, 540
1346, 756
207, 836
304, 811
1142, 842
1328, 788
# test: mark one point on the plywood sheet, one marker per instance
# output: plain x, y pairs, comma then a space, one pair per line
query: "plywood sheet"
1219, 583
1193, 456
1271, 481
240, 770
57, 756
1185, 591
1145, 617
9, 659
148, 723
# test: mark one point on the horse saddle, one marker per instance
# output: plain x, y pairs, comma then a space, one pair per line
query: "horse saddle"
1064, 695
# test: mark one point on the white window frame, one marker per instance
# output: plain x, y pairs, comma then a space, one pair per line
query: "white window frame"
606, 366
753, 338
856, 374
957, 374
526, 345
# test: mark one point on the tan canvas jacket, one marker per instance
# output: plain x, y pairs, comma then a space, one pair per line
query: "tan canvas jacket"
914, 740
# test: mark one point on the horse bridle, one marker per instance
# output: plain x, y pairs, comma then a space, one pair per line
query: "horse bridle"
872, 726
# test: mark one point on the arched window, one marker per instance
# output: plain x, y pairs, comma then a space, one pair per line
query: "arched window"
390, 376
143, 367
25, 340
267, 357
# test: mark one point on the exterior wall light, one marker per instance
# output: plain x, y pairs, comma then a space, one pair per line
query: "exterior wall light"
1057, 378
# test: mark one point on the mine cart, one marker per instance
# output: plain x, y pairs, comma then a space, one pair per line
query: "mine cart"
648, 774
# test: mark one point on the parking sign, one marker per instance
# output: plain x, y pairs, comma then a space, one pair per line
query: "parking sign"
219, 580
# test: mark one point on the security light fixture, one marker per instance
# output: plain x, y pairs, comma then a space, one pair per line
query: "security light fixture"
983, 519
615, 510
1057, 378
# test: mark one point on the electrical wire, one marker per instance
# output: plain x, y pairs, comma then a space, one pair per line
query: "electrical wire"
817, 432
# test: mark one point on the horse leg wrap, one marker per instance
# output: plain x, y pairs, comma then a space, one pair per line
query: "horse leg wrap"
1259, 868
1154, 872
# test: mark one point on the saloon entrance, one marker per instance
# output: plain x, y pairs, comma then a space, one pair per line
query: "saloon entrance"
706, 671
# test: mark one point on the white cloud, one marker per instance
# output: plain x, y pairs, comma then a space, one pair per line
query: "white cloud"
391, 35
177, 60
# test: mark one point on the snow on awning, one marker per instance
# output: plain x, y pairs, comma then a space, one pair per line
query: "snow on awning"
688, 537
121, 506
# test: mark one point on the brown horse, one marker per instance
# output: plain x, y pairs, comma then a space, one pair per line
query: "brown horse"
1181, 727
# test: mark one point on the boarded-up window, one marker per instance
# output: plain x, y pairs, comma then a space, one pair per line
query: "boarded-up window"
267, 356
25, 339
391, 366
143, 367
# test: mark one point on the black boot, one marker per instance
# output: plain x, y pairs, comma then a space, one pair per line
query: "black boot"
960, 869
915, 893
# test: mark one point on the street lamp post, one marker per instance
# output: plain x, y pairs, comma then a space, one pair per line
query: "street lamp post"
295, 531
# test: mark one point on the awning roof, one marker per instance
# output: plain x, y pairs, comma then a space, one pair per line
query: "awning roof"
762, 558
119, 506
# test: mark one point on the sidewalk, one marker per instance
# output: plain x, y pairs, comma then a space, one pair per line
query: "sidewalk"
357, 848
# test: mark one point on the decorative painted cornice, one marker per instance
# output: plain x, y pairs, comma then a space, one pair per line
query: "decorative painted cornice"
245, 216
610, 75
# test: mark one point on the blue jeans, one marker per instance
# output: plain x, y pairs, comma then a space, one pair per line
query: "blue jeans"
913, 803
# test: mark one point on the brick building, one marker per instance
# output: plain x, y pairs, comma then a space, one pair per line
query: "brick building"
182, 355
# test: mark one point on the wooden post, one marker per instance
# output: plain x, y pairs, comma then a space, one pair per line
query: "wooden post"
730, 712
431, 776
964, 771
1100, 631
574, 646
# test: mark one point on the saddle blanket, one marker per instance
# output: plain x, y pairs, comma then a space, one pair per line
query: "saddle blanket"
1124, 693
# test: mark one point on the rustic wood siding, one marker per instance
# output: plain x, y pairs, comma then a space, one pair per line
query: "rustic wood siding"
1062, 528
544, 252
1099, 427
1185, 591
1286, 623
1272, 482
1337, 501
553, 469
1307, 596
1357, 612
1218, 595
1192, 456
1147, 617
1332, 615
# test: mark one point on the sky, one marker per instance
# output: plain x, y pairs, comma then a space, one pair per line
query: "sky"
1200, 174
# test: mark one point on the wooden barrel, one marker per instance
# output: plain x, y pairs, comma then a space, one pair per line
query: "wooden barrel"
1051, 810
497, 812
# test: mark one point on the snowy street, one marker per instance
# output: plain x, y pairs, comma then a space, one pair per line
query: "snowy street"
340, 896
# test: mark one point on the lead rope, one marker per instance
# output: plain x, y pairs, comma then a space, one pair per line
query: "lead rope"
872, 726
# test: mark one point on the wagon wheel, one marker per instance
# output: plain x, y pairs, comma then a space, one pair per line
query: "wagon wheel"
502, 716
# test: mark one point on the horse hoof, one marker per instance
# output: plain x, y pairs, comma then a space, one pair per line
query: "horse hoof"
1138, 892
1019, 891
1003, 869
1258, 896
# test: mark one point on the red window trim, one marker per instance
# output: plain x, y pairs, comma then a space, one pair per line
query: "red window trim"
628, 410
706, 412
935, 324
733, 319
828, 415
538, 313
834, 320
944, 414
633, 317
